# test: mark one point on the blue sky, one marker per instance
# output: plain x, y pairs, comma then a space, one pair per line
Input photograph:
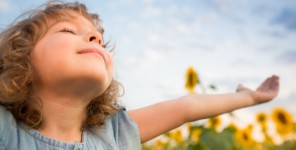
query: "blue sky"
226, 41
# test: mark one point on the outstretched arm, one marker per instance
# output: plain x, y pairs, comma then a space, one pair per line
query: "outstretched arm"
159, 118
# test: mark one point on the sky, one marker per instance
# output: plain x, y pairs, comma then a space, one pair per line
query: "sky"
227, 41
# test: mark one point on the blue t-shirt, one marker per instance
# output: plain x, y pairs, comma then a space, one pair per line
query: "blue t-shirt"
119, 132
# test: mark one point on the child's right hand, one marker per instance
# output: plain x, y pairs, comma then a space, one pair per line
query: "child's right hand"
265, 92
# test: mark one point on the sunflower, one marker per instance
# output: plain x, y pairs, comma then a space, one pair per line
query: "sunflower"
177, 136
195, 135
281, 117
250, 128
283, 121
159, 145
244, 137
214, 122
232, 126
191, 79
261, 118
189, 126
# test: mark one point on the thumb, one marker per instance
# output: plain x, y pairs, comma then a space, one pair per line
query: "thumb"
239, 87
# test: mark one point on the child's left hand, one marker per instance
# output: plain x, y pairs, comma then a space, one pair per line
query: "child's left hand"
164, 116
265, 92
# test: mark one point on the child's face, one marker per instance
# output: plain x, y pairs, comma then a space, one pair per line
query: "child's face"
71, 54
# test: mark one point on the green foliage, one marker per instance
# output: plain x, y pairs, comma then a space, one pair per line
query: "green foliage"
210, 139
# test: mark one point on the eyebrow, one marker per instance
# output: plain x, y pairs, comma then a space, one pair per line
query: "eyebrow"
59, 21
69, 20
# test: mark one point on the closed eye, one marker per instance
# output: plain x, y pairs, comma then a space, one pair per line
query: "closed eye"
67, 30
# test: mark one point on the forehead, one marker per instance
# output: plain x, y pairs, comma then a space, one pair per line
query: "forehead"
74, 17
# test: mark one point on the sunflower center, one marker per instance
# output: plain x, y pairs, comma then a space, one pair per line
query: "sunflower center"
245, 136
191, 79
214, 121
282, 118
261, 118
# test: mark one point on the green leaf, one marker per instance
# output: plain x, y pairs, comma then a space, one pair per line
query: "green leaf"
196, 147
213, 87
217, 141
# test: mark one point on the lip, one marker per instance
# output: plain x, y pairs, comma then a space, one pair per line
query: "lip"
93, 50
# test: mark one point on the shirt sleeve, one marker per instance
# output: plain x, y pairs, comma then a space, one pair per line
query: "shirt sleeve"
126, 130
7, 124
4, 115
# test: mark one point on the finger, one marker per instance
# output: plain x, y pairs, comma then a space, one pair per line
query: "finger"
274, 86
262, 86
275, 83
239, 87
276, 76
267, 84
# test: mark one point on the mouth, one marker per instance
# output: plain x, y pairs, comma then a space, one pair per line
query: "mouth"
93, 51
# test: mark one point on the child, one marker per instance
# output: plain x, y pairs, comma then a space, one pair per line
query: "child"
57, 90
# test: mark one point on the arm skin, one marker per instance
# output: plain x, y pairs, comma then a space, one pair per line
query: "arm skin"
162, 117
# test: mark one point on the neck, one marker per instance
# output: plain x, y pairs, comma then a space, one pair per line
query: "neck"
63, 117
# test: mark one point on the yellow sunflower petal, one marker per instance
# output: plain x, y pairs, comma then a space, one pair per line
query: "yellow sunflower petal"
196, 135
191, 79
214, 122
177, 136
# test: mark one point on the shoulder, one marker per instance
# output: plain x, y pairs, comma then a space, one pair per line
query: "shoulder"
122, 117
8, 126
125, 129
118, 131
6, 118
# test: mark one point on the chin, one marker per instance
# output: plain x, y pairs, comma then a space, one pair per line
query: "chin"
102, 85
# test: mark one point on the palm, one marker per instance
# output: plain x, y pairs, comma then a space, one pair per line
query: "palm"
265, 92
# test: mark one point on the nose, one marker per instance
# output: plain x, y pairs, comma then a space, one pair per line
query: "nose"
94, 37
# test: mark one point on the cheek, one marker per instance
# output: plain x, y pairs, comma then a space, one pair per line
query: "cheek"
50, 55
54, 48
58, 46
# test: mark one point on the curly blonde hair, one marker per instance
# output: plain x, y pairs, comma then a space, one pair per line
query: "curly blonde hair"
16, 44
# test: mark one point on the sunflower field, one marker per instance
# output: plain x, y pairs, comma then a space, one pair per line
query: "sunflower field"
276, 129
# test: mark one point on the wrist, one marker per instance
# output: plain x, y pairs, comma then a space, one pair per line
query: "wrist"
247, 97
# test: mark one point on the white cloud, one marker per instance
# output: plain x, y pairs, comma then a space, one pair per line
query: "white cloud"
138, 64
148, 1
147, 60
5, 6
135, 27
150, 11
126, 1
153, 38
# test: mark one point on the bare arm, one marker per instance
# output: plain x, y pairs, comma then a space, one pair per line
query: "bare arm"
159, 118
